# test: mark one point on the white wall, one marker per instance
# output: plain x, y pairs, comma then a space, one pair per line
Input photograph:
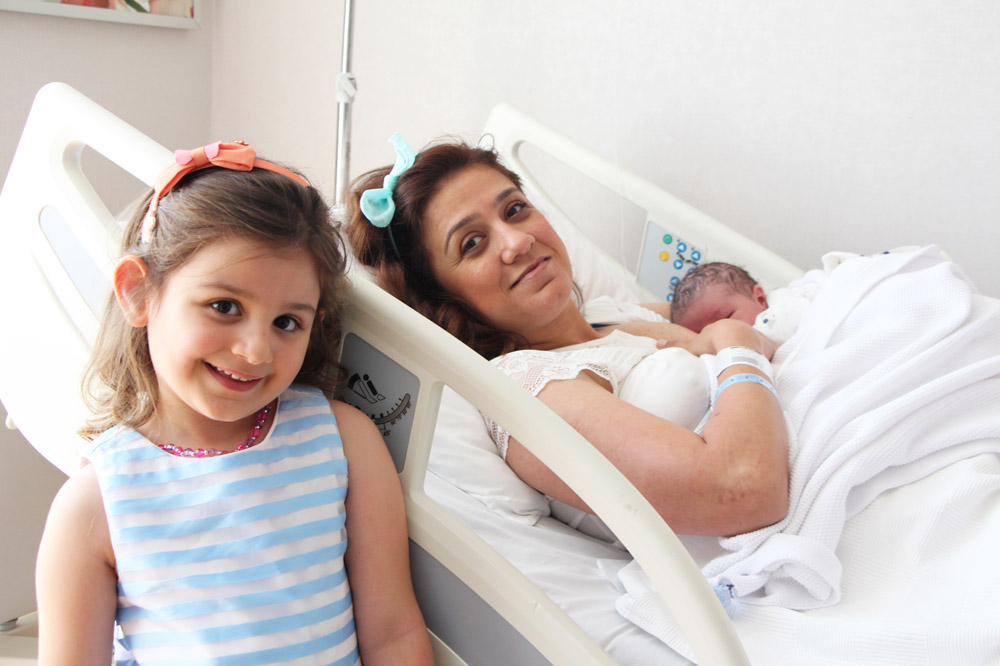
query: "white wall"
274, 71
807, 125
158, 79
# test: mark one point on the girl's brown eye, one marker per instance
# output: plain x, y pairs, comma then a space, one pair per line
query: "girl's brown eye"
226, 307
287, 323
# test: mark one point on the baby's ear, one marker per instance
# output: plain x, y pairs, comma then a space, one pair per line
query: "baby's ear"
759, 295
130, 289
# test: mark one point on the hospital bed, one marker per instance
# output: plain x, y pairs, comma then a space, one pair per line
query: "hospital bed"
500, 578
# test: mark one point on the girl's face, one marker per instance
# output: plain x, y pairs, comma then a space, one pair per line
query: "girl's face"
491, 248
228, 333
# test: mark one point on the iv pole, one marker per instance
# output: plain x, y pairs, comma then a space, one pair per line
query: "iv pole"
346, 90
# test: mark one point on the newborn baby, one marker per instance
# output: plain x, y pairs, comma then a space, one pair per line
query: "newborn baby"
719, 290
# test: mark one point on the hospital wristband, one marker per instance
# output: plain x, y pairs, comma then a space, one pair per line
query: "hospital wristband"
738, 379
730, 356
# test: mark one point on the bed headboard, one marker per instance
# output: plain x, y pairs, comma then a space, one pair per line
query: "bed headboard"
676, 237
41, 363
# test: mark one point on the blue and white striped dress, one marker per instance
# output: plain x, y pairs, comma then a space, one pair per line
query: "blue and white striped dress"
236, 559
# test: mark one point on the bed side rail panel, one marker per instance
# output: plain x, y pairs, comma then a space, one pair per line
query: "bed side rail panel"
46, 183
437, 359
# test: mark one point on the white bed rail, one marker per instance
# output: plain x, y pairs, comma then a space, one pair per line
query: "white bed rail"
46, 177
41, 365
433, 354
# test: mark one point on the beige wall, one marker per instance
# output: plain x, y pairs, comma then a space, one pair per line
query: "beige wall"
275, 67
160, 81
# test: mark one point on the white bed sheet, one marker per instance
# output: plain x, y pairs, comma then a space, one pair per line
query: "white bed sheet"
918, 584
575, 570
891, 392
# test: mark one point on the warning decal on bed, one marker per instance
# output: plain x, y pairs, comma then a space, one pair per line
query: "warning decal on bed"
382, 389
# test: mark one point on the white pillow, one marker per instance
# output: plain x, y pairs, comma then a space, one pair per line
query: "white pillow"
463, 454
596, 273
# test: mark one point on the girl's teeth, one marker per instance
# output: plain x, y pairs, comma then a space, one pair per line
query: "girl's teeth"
229, 374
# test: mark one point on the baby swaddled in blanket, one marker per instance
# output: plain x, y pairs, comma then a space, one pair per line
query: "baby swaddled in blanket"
890, 386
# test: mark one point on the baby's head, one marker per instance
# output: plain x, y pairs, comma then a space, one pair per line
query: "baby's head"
276, 210
716, 291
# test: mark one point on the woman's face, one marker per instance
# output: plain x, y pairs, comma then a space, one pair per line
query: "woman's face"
489, 247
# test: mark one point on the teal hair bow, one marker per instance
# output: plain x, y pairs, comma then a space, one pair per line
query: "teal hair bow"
377, 203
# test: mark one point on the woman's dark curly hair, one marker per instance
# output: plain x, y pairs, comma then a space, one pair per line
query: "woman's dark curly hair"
408, 275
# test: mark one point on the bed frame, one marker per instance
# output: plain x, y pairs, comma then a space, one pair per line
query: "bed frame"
672, 225
479, 609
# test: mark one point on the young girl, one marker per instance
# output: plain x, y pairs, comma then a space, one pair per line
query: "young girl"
209, 523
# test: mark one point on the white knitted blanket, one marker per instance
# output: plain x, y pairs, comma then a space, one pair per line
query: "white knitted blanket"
893, 375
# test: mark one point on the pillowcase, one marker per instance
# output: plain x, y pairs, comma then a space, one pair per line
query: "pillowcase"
463, 454
596, 273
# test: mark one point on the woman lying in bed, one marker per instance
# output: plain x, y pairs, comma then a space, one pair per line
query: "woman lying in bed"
450, 233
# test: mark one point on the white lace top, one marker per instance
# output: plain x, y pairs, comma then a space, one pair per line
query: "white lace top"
671, 383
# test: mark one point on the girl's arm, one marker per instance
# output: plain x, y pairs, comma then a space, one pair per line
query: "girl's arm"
76, 583
731, 479
390, 627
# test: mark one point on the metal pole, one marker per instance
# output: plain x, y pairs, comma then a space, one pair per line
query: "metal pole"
346, 90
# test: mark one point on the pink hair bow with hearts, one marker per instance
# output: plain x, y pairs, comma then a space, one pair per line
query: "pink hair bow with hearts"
237, 156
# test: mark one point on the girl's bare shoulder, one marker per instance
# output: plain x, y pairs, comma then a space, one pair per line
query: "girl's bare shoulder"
77, 513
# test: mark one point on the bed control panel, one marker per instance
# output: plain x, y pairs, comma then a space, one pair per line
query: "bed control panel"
382, 389
665, 258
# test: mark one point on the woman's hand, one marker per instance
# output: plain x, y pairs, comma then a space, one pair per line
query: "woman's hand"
719, 335
665, 333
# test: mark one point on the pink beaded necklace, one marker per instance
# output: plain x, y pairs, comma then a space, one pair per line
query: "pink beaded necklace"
209, 453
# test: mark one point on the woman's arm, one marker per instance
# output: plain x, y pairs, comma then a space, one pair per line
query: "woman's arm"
661, 308
390, 627
76, 583
732, 479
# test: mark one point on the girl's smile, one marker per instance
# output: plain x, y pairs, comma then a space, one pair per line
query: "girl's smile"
233, 380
